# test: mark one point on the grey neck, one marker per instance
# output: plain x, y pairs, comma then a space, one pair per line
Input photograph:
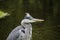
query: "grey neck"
26, 25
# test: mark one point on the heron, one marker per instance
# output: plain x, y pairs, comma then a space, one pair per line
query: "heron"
23, 31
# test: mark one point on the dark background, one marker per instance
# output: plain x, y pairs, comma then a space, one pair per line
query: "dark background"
49, 10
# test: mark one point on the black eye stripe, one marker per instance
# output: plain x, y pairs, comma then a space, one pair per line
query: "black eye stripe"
28, 18
23, 31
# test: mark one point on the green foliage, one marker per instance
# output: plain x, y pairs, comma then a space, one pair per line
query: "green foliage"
3, 14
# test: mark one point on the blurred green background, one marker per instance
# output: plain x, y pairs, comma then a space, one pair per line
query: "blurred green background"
49, 10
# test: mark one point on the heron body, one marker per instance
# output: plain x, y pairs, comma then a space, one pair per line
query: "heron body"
23, 31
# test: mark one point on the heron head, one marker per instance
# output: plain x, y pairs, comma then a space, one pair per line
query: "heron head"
29, 19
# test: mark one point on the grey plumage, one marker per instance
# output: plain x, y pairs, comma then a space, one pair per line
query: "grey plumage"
15, 34
23, 31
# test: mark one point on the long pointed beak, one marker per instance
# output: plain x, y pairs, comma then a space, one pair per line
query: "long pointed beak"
37, 20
